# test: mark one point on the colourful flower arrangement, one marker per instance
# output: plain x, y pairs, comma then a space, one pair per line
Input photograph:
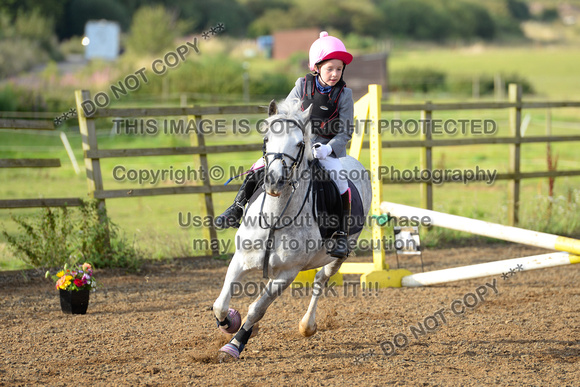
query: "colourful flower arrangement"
74, 279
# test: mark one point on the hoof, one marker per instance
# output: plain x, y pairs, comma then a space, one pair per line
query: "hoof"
235, 322
305, 330
228, 353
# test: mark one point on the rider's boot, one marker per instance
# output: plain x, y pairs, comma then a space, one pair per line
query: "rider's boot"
232, 215
340, 248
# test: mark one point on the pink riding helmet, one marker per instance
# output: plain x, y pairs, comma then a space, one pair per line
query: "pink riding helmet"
327, 47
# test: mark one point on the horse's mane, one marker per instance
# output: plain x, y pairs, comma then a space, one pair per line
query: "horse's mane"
288, 108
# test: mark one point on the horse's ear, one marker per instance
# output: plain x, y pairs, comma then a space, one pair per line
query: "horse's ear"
305, 118
306, 114
307, 124
272, 109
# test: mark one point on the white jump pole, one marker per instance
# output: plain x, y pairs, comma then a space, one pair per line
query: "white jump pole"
489, 269
480, 227
70, 152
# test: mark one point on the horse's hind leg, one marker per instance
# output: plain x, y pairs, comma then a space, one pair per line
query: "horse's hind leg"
221, 305
307, 326
256, 311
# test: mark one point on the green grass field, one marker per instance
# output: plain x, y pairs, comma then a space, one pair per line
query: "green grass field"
552, 70
153, 221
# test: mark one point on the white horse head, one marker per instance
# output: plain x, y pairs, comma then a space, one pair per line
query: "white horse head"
287, 144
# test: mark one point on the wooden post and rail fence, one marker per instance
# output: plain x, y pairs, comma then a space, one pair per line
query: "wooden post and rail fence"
515, 105
39, 121
368, 107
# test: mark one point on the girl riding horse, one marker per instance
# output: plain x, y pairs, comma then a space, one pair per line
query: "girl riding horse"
332, 124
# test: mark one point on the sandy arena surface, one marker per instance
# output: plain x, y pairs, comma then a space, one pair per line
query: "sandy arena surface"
157, 328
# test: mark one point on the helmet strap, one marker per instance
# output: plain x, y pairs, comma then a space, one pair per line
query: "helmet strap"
343, 69
322, 80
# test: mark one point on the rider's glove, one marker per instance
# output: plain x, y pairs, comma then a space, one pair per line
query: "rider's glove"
321, 151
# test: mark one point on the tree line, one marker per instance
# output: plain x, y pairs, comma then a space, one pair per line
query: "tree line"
427, 20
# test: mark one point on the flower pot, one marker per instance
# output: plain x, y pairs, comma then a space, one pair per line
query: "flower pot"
74, 301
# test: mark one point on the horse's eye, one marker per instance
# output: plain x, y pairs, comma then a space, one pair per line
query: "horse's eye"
300, 144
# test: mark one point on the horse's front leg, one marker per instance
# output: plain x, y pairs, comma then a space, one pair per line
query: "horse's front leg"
256, 311
229, 320
307, 325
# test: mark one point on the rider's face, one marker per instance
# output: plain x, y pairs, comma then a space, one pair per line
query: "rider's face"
331, 71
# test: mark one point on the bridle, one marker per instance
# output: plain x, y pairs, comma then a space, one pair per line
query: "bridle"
280, 155
293, 183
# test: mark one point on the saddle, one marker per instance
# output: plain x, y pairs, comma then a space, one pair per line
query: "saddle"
326, 203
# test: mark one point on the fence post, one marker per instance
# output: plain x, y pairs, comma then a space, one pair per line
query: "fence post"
360, 126
548, 122
92, 166
475, 87
426, 159
498, 87
375, 145
209, 233
515, 120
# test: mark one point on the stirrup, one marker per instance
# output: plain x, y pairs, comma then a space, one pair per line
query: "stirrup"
340, 247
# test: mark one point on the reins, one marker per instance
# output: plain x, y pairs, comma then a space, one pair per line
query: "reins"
275, 225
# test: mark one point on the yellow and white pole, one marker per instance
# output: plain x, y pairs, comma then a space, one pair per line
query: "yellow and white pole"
506, 267
70, 152
488, 229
